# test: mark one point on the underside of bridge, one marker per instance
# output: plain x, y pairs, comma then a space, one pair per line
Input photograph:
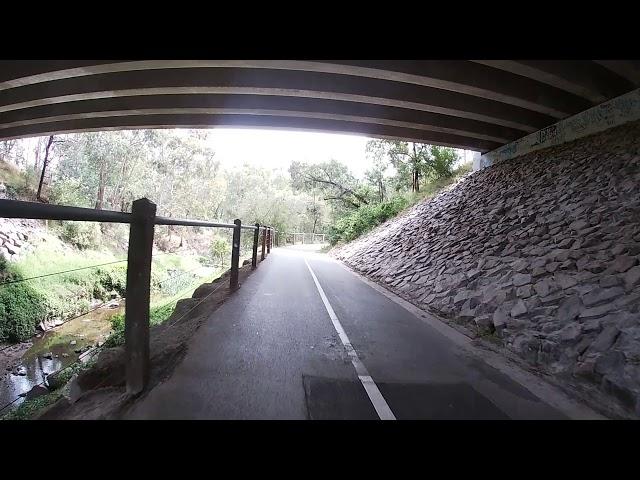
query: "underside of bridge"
475, 105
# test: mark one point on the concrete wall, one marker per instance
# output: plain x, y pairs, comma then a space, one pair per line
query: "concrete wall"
617, 111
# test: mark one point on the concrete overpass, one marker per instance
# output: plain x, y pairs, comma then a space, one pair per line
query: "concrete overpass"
477, 105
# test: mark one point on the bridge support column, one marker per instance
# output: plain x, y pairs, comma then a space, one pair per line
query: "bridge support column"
136, 325
235, 254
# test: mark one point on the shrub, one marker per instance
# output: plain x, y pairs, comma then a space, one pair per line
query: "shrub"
109, 279
21, 307
82, 234
220, 249
117, 335
157, 315
68, 191
364, 219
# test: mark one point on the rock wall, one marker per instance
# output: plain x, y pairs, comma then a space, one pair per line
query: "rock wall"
14, 238
540, 252
16, 235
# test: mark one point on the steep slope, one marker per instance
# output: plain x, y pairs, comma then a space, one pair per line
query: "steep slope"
541, 251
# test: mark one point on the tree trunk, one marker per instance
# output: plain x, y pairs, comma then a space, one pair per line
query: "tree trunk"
381, 190
44, 167
101, 187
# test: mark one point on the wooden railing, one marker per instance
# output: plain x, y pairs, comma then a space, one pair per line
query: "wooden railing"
141, 220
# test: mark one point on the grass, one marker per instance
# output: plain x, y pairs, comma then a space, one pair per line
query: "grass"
159, 312
70, 294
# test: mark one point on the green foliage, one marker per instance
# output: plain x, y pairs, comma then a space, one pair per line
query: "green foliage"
157, 315
364, 219
81, 234
67, 191
116, 338
463, 169
442, 161
21, 307
333, 181
350, 226
16, 181
110, 278
220, 250
29, 408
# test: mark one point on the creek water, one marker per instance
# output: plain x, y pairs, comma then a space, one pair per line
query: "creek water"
61, 346
51, 351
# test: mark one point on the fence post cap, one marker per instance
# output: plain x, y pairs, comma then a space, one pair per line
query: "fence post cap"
143, 200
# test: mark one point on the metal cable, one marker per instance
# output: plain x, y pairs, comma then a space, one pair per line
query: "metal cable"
189, 271
65, 321
197, 304
60, 273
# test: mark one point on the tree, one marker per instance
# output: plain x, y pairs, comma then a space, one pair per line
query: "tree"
7, 149
220, 249
45, 163
413, 161
442, 161
377, 174
314, 211
332, 179
410, 158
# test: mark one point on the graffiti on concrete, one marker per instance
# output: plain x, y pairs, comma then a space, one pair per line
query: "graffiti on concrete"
617, 111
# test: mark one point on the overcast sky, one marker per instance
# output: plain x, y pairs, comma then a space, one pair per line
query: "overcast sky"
278, 148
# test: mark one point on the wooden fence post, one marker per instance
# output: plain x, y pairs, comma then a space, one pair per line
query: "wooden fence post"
268, 240
136, 325
264, 237
235, 254
254, 256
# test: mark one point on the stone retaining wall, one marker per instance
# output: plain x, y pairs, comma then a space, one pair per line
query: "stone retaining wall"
16, 235
14, 238
541, 251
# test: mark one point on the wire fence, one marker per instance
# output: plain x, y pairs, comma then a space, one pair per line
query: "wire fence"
2, 284
98, 265
96, 350
140, 262
97, 307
